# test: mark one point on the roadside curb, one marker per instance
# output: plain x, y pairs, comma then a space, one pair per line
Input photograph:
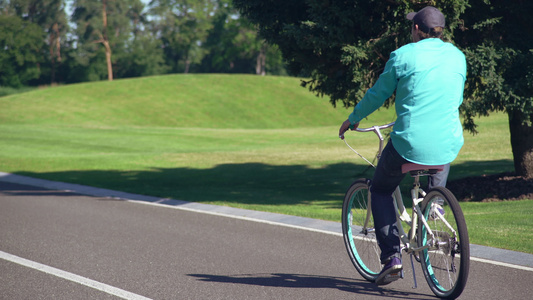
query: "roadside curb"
509, 258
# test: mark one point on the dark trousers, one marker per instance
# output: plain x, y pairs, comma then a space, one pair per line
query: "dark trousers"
387, 177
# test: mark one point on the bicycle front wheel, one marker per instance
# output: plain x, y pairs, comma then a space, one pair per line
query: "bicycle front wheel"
358, 230
446, 259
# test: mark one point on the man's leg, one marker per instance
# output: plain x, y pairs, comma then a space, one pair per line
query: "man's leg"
440, 178
387, 177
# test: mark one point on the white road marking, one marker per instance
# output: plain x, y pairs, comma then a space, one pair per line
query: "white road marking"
498, 263
215, 213
72, 277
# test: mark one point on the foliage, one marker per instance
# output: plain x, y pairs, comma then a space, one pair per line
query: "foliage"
500, 58
100, 22
142, 57
343, 45
233, 43
183, 26
20, 42
51, 17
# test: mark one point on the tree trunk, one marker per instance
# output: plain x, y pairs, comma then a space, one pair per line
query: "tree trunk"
187, 66
52, 59
108, 59
105, 41
261, 62
55, 50
522, 142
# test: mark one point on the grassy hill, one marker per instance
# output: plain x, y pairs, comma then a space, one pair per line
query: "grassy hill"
204, 101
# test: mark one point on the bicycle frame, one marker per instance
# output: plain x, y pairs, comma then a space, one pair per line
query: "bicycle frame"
436, 236
408, 239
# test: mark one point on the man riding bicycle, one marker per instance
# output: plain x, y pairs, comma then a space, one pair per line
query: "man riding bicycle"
428, 77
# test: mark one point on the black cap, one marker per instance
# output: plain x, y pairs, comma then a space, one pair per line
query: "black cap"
427, 18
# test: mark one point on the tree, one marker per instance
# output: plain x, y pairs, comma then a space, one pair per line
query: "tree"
500, 78
102, 22
51, 17
21, 42
143, 57
344, 45
182, 25
139, 53
234, 46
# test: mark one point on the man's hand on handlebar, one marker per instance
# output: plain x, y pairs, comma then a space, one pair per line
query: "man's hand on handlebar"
345, 126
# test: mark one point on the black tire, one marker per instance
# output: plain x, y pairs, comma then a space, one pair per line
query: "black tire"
446, 262
361, 244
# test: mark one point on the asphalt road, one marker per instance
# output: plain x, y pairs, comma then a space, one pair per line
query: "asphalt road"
56, 244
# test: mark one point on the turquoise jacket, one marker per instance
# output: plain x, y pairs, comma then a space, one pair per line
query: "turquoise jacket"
428, 77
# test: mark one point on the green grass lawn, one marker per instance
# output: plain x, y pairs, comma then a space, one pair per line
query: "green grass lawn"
500, 224
261, 143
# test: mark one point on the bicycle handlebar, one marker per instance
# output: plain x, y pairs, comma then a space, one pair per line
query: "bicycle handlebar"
375, 128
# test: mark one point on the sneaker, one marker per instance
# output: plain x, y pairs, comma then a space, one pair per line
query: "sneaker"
392, 271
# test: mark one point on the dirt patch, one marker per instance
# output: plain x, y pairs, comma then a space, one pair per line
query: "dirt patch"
489, 188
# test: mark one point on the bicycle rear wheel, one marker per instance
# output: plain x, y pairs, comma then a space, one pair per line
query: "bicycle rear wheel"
360, 241
446, 261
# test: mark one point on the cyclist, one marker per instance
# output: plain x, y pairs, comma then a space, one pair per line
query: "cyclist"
428, 76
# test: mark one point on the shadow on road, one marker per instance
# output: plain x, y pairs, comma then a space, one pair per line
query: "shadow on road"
310, 281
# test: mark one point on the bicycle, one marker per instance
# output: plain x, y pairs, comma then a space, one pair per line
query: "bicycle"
437, 235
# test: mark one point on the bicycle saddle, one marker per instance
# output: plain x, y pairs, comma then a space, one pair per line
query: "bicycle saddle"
416, 169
